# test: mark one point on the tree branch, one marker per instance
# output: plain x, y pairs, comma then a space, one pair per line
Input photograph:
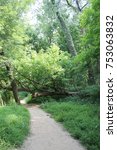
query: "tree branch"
39, 94
32, 81
69, 4
78, 6
84, 6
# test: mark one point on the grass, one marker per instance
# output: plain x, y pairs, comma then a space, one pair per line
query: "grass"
14, 126
80, 119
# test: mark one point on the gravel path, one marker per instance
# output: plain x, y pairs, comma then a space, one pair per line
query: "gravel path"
46, 134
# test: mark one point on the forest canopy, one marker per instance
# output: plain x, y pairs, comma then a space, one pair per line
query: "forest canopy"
57, 55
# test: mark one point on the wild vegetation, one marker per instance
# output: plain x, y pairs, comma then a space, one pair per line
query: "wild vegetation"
55, 54
80, 119
14, 126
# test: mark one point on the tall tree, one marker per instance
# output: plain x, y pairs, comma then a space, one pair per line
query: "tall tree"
11, 41
66, 31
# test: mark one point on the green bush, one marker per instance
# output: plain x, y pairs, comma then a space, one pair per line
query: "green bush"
22, 95
43, 70
91, 93
40, 100
6, 97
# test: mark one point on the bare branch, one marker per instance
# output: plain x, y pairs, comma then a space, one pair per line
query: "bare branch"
84, 6
78, 6
79, 9
69, 4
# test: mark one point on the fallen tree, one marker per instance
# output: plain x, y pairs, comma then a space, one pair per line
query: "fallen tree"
39, 94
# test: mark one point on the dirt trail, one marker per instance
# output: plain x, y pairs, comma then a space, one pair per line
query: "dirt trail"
46, 134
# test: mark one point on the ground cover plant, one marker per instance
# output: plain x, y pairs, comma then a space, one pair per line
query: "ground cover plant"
80, 119
14, 126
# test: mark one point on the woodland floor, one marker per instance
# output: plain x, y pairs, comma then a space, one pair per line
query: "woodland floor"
46, 134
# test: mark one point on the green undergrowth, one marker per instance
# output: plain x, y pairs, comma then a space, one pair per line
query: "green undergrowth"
40, 100
80, 119
14, 126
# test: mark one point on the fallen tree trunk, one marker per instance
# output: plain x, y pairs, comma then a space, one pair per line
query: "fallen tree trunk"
39, 94
54, 94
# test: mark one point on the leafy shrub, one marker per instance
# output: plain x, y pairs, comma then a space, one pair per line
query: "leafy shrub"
6, 97
40, 100
22, 95
91, 92
43, 70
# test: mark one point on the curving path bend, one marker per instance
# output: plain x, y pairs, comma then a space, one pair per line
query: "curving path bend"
46, 134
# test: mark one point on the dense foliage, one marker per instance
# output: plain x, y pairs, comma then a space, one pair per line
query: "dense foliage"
58, 55
84, 67
39, 71
30, 58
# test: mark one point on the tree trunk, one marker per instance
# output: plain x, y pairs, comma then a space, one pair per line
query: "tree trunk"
15, 91
40, 94
13, 82
67, 35
91, 79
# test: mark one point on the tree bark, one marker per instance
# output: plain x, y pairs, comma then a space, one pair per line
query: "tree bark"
91, 79
40, 94
67, 34
15, 91
13, 82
